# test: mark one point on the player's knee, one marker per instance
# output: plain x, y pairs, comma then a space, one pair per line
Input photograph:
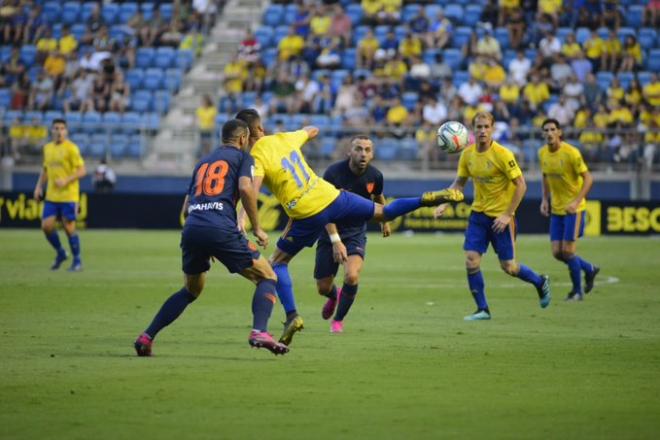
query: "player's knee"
472, 264
351, 278
559, 255
567, 254
323, 286
509, 267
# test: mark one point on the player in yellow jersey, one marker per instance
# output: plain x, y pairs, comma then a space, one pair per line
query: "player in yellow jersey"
311, 202
62, 169
566, 182
499, 186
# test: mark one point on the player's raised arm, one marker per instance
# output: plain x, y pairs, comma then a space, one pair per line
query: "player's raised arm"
246, 189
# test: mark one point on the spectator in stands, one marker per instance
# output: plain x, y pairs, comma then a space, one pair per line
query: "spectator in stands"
370, 9
291, 45
320, 22
100, 94
634, 95
390, 12
256, 78
120, 93
419, 71
16, 138
396, 68
470, 49
14, 66
389, 47
173, 34
42, 94
367, 87
426, 137
347, 97
619, 116
560, 71
440, 69
594, 48
411, 46
551, 10
651, 91
615, 91
45, 45
55, 66
80, 97
549, 47
235, 73
262, 108
434, 111
494, 75
574, 92
652, 13
488, 46
151, 33
419, 24
582, 67
194, 41
366, 50
9, 10
590, 14
248, 50
562, 111
378, 110
490, 13
571, 49
67, 44
357, 116
20, 92
397, 118
440, 31
283, 90
206, 114
205, 12
611, 55
35, 25
631, 60
341, 26
35, 136
470, 92
536, 92
323, 101
519, 67
329, 57
516, 25
104, 178
301, 21
306, 90
506, 8
611, 17
95, 22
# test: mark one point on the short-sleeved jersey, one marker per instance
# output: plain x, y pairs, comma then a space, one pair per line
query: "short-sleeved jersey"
279, 160
213, 190
492, 172
563, 171
61, 161
368, 184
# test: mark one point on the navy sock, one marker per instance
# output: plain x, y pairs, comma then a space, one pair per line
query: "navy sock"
285, 288
477, 287
346, 299
170, 310
54, 240
527, 274
585, 265
332, 294
574, 269
262, 304
74, 243
401, 206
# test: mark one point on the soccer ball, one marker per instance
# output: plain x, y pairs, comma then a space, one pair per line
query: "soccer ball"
453, 137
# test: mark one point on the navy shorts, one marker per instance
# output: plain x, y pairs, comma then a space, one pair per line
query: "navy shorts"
304, 233
567, 227
64, 210
480, 234
230, 247
325, 265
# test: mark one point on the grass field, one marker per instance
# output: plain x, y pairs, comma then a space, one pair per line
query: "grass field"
407, 365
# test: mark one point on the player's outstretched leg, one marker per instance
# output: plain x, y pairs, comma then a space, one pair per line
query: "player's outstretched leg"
294, 322
331, 303
403, 206
262, 307
575, 272
170, 310
541, 282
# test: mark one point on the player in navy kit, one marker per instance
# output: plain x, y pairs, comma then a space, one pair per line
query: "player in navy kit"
211, 231
346, 242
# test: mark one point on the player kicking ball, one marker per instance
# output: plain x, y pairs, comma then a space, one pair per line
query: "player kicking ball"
566, 183
311, 202
346, 242
499, 186
211, 230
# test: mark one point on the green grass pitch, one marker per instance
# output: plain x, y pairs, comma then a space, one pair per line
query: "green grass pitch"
407, 366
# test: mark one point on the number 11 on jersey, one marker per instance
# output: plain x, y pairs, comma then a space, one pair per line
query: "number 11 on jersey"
290, 165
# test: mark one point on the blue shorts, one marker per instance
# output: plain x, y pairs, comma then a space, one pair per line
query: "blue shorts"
304, 233
480, 233
230, 247
567, 227
325, 265
63, 210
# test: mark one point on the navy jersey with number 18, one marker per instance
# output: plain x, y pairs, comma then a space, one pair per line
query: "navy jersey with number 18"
213, 190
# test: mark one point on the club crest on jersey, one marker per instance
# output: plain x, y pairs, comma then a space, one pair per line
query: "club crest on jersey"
370, 187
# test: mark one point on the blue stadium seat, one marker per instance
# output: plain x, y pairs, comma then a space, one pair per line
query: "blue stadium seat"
135, 149
11, 115
472, 15
381, 31
604, 79
166, 11
126, 11
51, 115
185, 59
91, 122
111, 121
502, 37
131, 122
5, 54
408, 149
386, 149
70, 12
269, 57
264, 36
653, 60
141, 101
79, 30
165, 57
28, 54
634, 16
328, 146
582, 34
144, 57
32, 116
460, 77
453, 58
647, 38
644, 77
409, 100
432, 11
147, 10
401, 31
624, 32
51, 12
507, 56
461, 36
279, 33
349, 59
134, 78
273, 15
110, 13
173, 79
320, 121
118, 145
290, 15
409, 12
162, 101
625, 78
86, 11
563, 32
359, 33
454, 12
354, 11
81, 140
96, 149
220, 119
5, 98
153, 79
150, 121
73, 121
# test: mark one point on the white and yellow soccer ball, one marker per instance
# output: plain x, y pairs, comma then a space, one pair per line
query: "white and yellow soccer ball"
453, 137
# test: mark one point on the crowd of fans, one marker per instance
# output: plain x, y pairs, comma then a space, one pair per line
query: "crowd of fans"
524, 60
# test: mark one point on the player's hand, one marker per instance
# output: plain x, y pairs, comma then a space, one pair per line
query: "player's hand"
572, 207
501, 222
440, 210
545, 208
262, 237
38, 193
241, 221
339, 252
61, 182
386, 229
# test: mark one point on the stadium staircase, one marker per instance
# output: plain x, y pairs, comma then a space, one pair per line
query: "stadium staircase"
175, 147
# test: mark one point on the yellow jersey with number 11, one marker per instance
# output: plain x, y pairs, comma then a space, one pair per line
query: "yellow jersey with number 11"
61, 161
279, 160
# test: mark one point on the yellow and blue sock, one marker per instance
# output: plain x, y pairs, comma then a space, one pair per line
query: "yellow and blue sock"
171, 309
346, 299
262, 304
477, 288
285, 289
574, 269
401, 206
